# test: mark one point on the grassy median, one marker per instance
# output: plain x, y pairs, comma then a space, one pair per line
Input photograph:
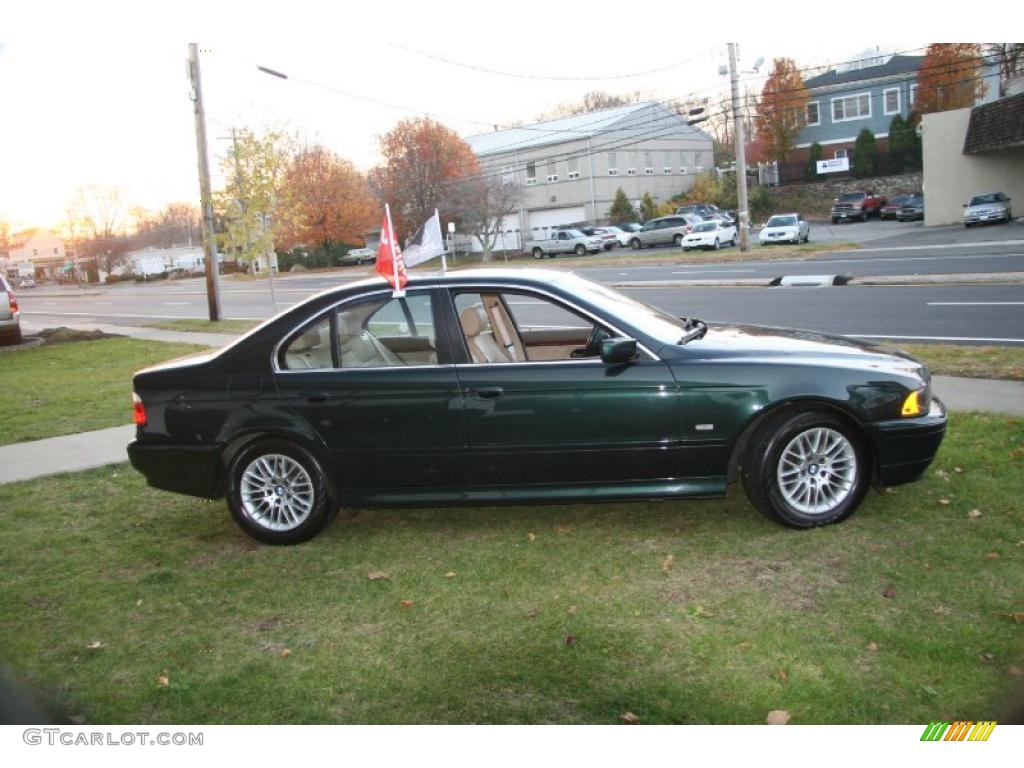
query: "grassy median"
125, 604
205, 326
74, 386
972, 362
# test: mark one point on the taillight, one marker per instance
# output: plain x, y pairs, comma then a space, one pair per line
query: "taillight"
138, 410
13, 301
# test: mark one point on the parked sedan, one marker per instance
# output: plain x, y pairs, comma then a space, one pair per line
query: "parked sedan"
785, 228
892, 208
358, 256
609, 236
912, 209
10, 315
710, 234
510, 386
988, 207
627, 228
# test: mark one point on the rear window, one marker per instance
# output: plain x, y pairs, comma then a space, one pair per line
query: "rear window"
706, 226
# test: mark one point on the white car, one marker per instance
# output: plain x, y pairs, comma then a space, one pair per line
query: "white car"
785, 228
710, 234
626, 230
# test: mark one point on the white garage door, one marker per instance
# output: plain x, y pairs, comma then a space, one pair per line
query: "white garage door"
542, 222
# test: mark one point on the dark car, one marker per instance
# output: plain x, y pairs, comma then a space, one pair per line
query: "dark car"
892, 208
491, 386
912, 209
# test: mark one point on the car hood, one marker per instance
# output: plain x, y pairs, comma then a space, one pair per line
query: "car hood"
763, 344
784, 230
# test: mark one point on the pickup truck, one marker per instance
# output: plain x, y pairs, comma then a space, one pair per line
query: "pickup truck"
563, 241
856, 205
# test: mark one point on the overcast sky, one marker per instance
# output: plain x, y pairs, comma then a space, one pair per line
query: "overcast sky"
98, 95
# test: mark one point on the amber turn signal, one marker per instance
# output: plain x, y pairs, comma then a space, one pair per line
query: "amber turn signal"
912, 405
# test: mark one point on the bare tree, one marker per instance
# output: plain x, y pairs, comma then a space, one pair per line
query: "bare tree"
1009, 57
95, 225
174, 224
483, 203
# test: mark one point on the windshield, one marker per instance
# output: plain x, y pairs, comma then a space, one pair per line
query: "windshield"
851, 196
706, 226
781, 221
900, 199
914, 200
984, 199
645, 318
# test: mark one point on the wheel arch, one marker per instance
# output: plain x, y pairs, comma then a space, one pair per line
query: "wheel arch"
796, 405
238, 442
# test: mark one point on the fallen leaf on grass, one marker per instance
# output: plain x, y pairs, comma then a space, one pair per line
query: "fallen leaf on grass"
563, 529
571, 640
974, 513
889, 592
450, 575
77, 719
286, 653
163, 680
777, 717
988, 658
1019, 617
698, 612
629, 718
958, 470
95, 645
378, 575
406, 604
667, 563
944, 502
571, 610
783, 675
992, 556
1016, 671
531, 536
940, 610
872, 646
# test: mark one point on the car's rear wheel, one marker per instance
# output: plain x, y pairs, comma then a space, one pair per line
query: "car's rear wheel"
806, 469
277, 492
538, 253
718, 245
635, 243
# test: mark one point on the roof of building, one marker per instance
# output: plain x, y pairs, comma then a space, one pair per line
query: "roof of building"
557, 131
897, 65
996, 125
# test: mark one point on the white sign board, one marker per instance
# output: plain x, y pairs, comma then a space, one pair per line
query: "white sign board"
834, 166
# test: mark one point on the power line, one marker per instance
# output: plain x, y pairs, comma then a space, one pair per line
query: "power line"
560, 78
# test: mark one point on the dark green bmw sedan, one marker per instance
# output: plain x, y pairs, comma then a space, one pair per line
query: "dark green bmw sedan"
503, 386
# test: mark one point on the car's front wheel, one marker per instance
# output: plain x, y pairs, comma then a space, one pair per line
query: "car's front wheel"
538, 253
635, 243
806, 469
277, 492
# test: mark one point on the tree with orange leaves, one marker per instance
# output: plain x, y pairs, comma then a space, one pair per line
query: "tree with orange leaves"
329, 198
782, 112
423, 161
949, 78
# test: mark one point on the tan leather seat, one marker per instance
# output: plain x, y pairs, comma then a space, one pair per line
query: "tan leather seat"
504, 329
480, 337
361, 349
308, 352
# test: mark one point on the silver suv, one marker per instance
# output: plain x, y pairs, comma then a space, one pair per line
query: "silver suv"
10, 316
667, 229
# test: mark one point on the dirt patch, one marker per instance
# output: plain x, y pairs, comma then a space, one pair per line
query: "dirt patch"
65, 335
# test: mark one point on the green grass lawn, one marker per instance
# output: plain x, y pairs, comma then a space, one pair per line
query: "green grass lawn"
206, 326
679, 612
972, 362
58, 389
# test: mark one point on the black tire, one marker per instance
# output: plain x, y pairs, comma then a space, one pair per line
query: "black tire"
538, 253
581, 250
677, 240
718, 245
314, 507
835, 220
780, 431
635, 243
968, 225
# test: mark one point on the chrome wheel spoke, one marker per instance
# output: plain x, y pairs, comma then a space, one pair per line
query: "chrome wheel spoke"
817, 470
276, 492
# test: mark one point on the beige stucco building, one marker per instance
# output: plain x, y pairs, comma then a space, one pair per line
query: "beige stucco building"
40, 248
969, 151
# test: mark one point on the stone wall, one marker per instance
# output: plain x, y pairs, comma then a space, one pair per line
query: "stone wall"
814, 199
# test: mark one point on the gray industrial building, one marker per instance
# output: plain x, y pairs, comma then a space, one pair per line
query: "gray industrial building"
569, 169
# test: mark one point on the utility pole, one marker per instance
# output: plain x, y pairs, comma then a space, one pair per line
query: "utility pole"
205, 196
741, 154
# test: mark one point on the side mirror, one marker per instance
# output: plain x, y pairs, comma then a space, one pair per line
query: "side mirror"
618, 350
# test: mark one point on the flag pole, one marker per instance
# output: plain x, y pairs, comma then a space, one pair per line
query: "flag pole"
444, 255
397, 292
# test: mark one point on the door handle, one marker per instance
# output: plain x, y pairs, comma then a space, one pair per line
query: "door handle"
314, 397
486, 393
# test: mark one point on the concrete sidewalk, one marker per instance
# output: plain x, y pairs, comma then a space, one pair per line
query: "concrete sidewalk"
201, 338
88, 450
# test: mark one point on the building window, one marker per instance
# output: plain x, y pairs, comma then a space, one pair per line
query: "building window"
913, 96
35, 251
839, 153
648, 163
851, 107
813, 113
891, 101
552, 170
613, 168
508, 173
574, 167
531, 174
